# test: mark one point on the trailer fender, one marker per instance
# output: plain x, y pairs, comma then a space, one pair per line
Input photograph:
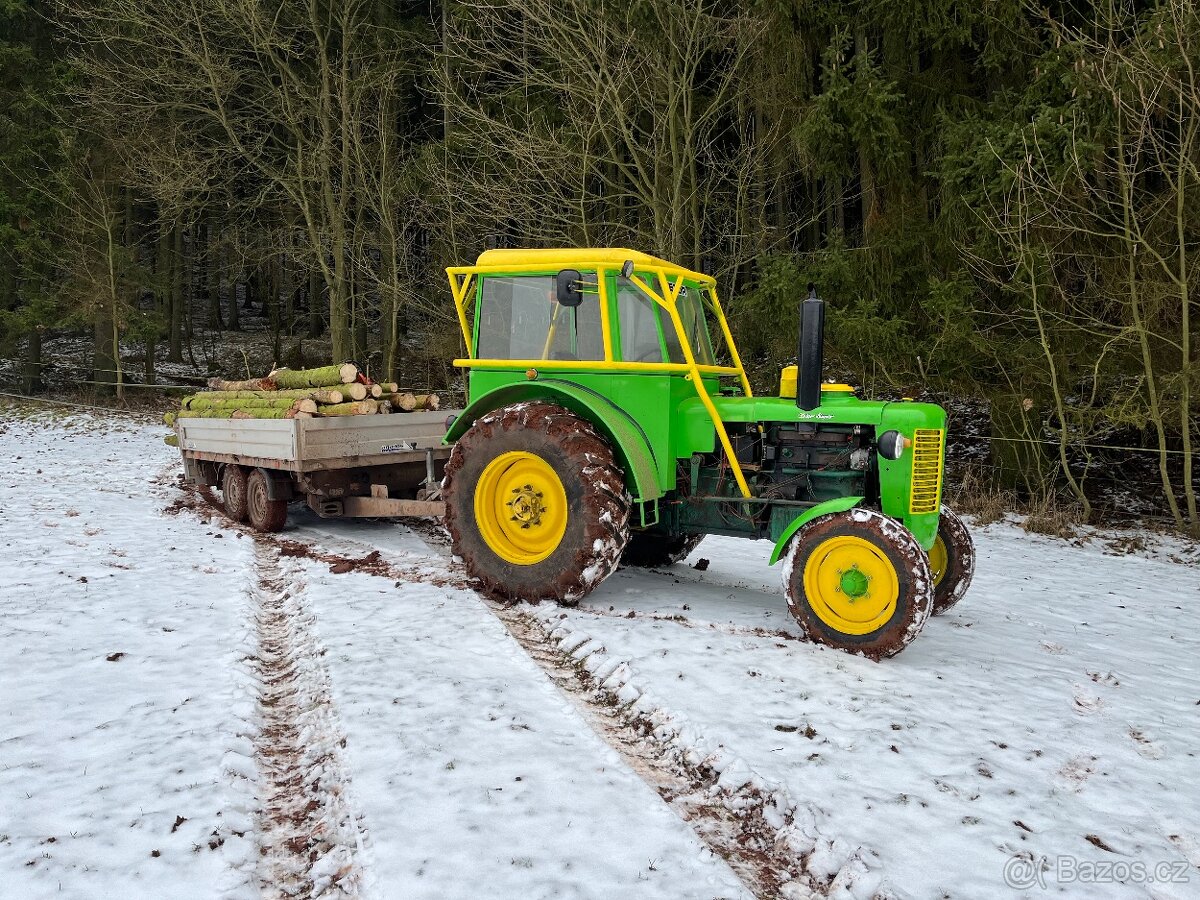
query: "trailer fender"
840, 504
629, 441
279, 484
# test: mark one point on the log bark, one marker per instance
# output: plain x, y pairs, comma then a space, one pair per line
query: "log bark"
359, 408
428, 401
218, 412
319, 395
315, 378
254, 384
204, 401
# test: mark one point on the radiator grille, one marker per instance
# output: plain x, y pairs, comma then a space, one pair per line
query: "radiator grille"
928, 444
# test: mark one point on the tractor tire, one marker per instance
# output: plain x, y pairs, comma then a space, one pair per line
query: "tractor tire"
951, 560
655, 550
233, 492
536, 504
264, 513
858, 581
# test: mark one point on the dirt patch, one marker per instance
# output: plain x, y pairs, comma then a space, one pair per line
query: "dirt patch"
201, 502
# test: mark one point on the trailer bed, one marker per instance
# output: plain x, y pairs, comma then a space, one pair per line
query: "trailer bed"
317, 444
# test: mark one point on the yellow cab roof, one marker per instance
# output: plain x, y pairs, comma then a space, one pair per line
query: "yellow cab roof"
579, 256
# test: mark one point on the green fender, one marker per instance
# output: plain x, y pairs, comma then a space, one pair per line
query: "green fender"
840, 504
628, 440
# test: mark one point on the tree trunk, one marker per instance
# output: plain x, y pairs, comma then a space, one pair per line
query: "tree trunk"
32, 381
316, 324
104, 364
177, 291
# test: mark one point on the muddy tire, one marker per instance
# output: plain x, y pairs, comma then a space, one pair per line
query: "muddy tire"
951, 560
264, 513
536, 504
858, 581
233, 492
654, 549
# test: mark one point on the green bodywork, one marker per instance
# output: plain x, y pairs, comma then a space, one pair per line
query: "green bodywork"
659, 428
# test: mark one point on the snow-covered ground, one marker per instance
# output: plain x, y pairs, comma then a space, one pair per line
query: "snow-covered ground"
188, 712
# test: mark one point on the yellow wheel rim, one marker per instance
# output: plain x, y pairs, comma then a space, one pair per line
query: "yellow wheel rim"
851, 585
939, 558
521, 508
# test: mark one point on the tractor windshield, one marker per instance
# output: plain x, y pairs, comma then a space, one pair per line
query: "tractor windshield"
519, 318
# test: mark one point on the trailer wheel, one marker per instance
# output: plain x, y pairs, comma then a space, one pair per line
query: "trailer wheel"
654, 549
265, 514
951, 560
858, 581
536, 504
233, 492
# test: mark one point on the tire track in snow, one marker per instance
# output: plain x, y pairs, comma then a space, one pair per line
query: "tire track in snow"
765, 837
310, 838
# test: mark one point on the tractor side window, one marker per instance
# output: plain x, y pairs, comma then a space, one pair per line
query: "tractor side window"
690, 307
638, 315
519, 318
691, 312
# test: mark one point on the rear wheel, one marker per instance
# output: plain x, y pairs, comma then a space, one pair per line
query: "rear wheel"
233, 492
951, 560
654, 549
536, 504
265, 514
858, 581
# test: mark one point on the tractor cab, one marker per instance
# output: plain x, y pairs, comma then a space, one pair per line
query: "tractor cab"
613, 334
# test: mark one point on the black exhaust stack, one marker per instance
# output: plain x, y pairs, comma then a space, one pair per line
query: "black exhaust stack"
812, 350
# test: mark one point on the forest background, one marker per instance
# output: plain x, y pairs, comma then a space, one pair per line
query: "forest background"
998, 199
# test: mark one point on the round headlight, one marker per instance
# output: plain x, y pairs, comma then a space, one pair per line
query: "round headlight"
891, 444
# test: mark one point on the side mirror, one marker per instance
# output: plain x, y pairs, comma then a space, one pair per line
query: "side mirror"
566, 288
627, 269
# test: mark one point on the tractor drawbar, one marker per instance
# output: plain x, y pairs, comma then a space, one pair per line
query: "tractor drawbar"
812, 347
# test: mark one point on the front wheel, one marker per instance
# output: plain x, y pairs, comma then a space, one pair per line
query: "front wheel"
952, 561
858, 581
536, 504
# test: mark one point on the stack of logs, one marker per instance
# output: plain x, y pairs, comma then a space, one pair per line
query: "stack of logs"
338, 390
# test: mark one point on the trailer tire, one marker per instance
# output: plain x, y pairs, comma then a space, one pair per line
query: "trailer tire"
233, 492
536, 504
264, 513
951, 560
655, 550
858, 581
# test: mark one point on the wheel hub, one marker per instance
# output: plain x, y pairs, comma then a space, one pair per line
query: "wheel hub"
854, 583
527, 506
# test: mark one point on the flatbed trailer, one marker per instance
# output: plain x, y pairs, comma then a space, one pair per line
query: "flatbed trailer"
344, 466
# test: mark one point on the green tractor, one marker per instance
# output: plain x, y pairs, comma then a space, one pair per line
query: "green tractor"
603, 428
